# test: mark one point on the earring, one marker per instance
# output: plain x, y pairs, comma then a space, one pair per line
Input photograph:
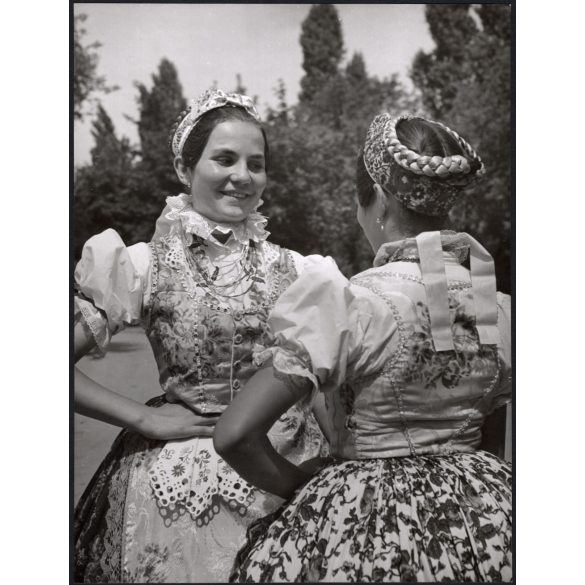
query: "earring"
380, 222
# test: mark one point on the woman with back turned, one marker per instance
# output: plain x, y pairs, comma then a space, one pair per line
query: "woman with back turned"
411, 355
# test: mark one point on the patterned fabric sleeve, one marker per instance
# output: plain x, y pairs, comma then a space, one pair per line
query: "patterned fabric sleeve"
327, 330
112, 285
503, 393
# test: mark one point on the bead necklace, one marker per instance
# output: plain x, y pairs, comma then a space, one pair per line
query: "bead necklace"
248, 262
190, 285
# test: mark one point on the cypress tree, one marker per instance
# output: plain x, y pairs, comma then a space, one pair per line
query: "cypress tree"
322, 44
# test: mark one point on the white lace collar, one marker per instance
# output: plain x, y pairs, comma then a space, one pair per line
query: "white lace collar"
193, 223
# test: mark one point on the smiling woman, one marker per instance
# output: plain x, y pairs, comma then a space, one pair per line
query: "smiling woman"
230, 177
202, 289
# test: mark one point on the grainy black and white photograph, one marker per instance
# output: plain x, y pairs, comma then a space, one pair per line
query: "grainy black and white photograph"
293, 271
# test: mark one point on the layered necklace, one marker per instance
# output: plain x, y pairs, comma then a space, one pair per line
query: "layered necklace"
218, 296
237, 277
231, 281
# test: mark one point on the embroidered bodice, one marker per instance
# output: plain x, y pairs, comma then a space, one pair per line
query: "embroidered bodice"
203, 302
203, 343
368, 346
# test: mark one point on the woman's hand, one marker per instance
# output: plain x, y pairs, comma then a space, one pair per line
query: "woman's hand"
175, 421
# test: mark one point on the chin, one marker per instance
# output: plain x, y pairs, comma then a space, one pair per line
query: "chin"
233, 215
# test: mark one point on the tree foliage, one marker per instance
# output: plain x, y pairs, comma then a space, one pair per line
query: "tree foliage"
124, 187
311, 189
466, 83
322, 44
86, 81
158, 108
310, 197
106, 190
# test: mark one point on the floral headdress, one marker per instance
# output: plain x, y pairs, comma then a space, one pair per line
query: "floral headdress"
430, 185
209, 100
427, 184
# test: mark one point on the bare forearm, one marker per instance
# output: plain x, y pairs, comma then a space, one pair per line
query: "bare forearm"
257, 461
96, 401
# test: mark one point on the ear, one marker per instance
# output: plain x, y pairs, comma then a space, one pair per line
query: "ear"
182, 170
381, 201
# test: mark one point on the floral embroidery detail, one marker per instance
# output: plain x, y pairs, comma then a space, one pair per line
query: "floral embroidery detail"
122, 532
447, 368
152, 566
393, 520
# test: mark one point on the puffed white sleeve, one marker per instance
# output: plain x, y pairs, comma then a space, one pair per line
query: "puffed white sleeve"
112, 286
326, 330
301, 263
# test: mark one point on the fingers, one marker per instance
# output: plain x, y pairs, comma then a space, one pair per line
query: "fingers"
179, 411
204, 431
208, 420
192, 431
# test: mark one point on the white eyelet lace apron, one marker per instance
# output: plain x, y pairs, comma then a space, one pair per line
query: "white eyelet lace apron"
190, 473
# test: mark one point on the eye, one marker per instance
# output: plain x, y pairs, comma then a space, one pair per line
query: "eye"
224, 160
256, 166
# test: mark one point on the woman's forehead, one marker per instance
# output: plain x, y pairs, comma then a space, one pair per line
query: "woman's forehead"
236, 133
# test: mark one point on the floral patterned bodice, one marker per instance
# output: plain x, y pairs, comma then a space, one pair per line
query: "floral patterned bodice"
202, 341
369, 348
203, 345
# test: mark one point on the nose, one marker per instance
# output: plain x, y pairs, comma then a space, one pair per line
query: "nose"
240, 173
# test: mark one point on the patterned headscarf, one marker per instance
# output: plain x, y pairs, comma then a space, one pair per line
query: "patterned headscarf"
209, 100
425, 184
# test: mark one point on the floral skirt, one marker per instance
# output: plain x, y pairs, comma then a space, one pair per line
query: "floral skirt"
399, 519
121, 534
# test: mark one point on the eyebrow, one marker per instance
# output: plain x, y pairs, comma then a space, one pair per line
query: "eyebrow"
233, 153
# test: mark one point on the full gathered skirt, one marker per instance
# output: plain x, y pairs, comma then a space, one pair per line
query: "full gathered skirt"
121, 534
422, 518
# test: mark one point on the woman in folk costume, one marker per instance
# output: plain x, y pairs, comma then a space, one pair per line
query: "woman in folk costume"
411, 355
163, 507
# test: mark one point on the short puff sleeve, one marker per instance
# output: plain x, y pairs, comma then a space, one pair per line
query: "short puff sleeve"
326, 330
112, 285
302, 263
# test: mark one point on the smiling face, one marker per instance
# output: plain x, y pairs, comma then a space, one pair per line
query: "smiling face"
230, 177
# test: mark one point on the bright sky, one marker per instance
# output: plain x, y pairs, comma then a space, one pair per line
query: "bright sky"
214, 42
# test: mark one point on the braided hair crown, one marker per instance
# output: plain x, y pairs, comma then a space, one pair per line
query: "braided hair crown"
426, 184
432, 166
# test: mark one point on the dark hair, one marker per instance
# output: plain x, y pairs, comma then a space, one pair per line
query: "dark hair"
423, 137
198, 137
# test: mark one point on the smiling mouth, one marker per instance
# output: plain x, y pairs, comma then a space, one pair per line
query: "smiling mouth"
236, 194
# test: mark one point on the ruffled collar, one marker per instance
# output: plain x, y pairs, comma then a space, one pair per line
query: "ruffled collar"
453, 243
194, 224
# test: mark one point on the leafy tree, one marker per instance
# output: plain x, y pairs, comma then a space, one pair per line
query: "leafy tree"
465, 82
437, 73
311, 188
124, 187
86, 81
159, 108
106, 190
322, 44
281, 112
